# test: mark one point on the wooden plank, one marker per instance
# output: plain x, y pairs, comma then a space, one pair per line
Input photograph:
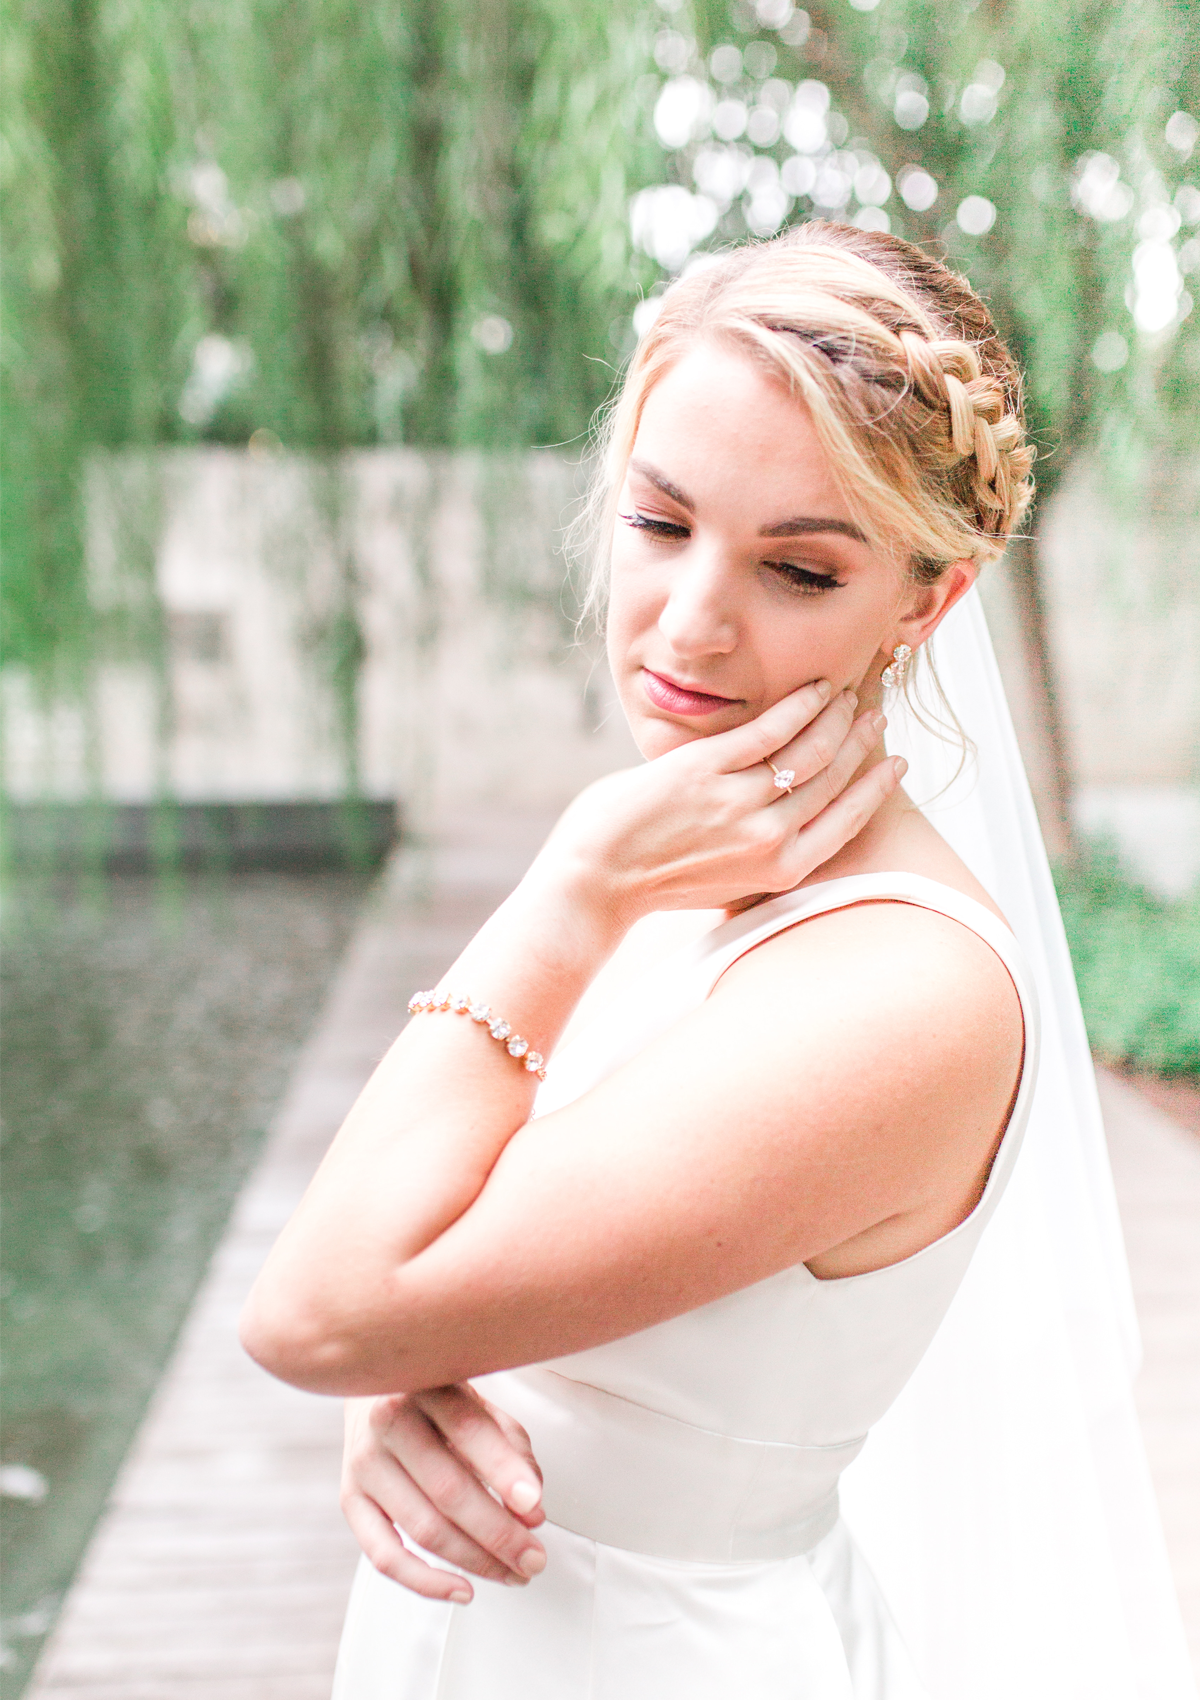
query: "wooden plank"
1156, 1166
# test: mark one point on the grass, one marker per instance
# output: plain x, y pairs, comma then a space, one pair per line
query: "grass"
1137, 962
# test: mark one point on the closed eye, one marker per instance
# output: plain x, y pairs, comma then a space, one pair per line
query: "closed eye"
803, 578
656, 527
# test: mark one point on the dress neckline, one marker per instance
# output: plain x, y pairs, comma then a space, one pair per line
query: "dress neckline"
928, 893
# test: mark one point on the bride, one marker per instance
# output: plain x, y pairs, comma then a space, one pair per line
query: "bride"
800, 1030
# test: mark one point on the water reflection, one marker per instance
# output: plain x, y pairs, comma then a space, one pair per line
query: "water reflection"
149, 1030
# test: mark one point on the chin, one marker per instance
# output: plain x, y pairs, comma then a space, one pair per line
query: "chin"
658, 737
652, 737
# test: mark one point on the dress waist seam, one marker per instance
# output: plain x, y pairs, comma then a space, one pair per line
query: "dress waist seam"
854, 1440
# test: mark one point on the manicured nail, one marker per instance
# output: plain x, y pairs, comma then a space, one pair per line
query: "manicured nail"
901, 767
523, 1496
878, 722
823, 688
532, 1563
461, 1597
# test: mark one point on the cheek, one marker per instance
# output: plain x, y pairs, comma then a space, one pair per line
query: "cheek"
634, 606
820, 640
633, 610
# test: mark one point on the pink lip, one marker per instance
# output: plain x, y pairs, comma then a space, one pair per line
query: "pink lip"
676, 699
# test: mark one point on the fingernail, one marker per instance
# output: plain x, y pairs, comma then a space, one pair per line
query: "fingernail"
461, 1597
901, 767
878, 722
532, 1562
523, 1496
852, 698
823, 688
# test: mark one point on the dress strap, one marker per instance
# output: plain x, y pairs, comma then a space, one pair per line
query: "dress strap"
722, 947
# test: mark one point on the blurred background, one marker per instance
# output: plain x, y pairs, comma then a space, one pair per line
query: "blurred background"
307, 311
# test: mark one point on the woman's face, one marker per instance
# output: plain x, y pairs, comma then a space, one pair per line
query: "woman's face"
738, 573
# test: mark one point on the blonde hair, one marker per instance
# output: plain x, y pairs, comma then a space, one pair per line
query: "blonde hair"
913, 395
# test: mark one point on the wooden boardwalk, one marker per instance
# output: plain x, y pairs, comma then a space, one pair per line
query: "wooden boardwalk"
221, 1567
1156, 1166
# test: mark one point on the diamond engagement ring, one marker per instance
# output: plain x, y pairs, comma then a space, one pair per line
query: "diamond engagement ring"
784, 777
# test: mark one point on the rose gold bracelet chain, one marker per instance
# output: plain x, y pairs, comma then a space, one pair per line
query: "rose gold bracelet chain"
460, 1003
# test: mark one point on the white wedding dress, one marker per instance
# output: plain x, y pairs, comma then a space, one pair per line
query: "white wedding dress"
999, 1539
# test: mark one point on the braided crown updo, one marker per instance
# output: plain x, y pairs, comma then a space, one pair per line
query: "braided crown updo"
915, 399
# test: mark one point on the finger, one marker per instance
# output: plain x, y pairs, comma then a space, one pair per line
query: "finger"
811, 795
776, 726
457, 1494
389, 1487
388, 1553
818, 745
517, 1437
487, 1439
836, 825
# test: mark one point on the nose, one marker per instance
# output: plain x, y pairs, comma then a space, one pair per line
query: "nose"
699, 616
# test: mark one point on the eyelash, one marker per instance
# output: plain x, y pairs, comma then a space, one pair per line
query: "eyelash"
660, 527
801, 578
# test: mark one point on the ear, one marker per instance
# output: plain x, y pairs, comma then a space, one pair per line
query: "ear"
927, 606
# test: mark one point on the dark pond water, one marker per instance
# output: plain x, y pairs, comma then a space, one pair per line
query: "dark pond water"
149, 1027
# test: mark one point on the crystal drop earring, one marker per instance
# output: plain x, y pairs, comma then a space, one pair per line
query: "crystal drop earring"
893, 673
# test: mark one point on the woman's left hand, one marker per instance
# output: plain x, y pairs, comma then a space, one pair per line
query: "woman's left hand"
706, 825
457, 1475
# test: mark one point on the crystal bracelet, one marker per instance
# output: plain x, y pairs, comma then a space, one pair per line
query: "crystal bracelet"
460, 1003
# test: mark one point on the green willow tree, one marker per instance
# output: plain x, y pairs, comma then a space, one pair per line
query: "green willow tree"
334, 225
330, 224
1074, 126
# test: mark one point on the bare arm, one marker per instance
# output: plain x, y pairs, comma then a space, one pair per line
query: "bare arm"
805, 1105
792, 1113
700, 827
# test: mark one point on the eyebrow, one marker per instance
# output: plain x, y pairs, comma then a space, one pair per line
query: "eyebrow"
803, 525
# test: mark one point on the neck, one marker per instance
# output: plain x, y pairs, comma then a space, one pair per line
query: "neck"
873, 848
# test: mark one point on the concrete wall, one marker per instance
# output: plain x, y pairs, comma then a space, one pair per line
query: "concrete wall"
231, 594
266, 626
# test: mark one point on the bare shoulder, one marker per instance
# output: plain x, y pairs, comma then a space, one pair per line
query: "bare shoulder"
900, 1024
889, 961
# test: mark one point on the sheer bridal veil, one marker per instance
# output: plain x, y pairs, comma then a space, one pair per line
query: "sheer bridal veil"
1004, 1502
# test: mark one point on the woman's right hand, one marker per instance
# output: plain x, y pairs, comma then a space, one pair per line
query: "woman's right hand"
457, 1475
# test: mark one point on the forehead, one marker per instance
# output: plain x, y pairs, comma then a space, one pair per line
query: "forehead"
723, 428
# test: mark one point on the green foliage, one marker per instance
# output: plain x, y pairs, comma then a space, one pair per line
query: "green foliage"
1137, 963
330, 224
92, 313
334, 224
1057, 119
